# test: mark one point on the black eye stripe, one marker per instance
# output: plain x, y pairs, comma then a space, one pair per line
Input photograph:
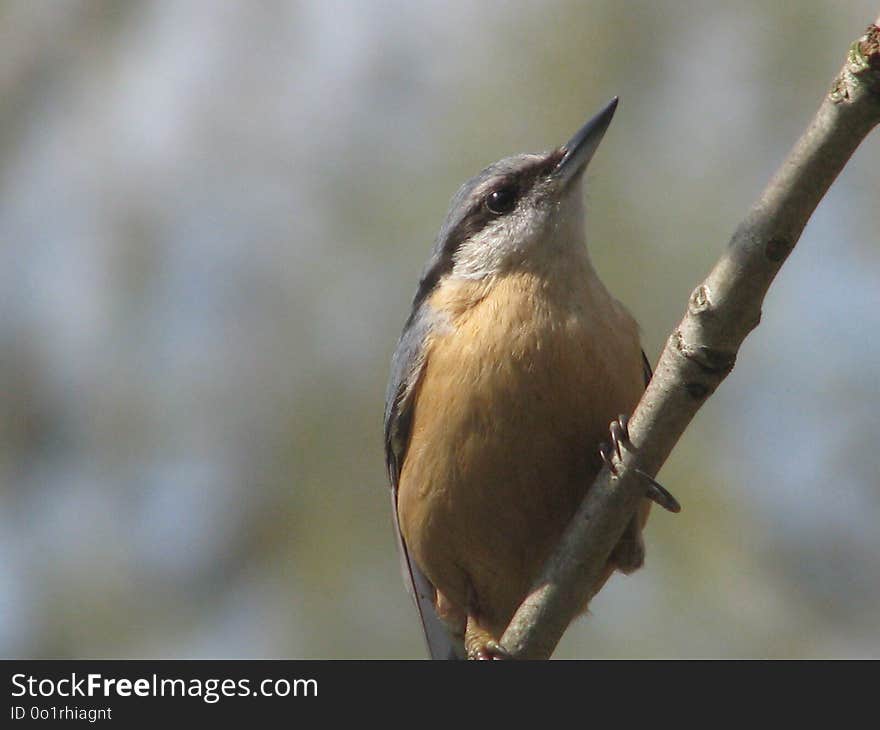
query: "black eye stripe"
478, 216
474, 221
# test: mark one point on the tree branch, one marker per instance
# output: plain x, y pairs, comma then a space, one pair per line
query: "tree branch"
702, 350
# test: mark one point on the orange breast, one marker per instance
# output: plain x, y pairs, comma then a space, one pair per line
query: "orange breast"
514, 399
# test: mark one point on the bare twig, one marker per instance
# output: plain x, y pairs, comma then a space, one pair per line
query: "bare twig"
702, 350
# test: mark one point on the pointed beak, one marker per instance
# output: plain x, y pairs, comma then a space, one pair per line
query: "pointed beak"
579, 150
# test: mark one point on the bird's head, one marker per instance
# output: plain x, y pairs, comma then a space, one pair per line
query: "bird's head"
522, 209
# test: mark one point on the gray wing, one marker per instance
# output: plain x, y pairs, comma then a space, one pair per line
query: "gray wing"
646, 368
406, 367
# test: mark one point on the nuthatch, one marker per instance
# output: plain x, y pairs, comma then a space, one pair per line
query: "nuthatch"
512, 363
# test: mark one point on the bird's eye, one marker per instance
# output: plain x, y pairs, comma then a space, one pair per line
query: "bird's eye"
501, 201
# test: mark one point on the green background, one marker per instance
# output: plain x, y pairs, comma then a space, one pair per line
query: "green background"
212, 220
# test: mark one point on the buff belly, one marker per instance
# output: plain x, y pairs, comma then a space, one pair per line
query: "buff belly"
516, 394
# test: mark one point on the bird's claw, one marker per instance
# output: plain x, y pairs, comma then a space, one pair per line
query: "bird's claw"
606, 454
659, 494
656, 492
619, 429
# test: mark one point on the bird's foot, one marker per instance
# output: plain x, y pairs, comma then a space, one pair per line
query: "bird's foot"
656, 492
619, 430
490, 651
480, 644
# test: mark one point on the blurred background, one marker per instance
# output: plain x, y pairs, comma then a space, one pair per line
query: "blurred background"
212, 220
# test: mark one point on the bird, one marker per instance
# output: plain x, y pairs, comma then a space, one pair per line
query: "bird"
514, 366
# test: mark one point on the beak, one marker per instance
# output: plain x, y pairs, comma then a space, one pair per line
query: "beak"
579, 150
